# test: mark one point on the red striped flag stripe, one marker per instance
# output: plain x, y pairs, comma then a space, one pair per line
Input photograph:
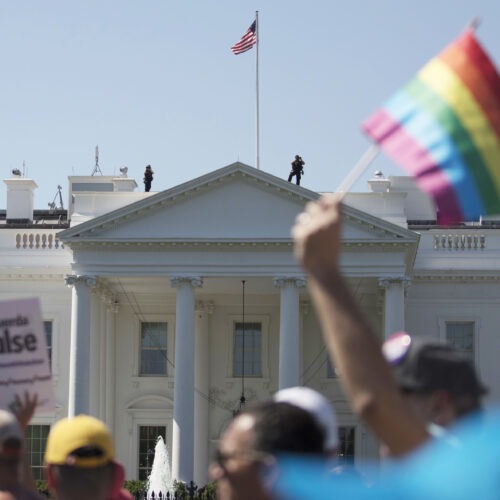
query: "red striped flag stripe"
248, 40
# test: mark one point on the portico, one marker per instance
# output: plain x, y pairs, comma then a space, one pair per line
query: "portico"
156, 265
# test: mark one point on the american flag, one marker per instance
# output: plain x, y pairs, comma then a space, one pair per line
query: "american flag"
248, 40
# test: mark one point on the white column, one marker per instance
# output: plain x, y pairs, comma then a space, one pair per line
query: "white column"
183, 425
289, 352
111, 311
96, 355
394, 310
202, 383
79, 355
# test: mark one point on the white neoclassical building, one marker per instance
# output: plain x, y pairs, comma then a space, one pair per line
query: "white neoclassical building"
163, 310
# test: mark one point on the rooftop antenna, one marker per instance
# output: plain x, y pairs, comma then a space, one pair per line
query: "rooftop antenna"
52, 205
96, 168
24, 168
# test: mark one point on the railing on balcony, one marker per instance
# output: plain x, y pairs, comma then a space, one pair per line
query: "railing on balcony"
38, 241
459, 242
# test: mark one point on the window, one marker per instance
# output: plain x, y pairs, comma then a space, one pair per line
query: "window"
36, 439
153, 355
47, 325
247, 356
148, 435
345, 450
460, 334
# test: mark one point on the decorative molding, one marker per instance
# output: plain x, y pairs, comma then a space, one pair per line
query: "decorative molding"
241, 243
461, 278
183, 243
194, 281
88, 280
386, 282
298, 281
32, 277
374, 245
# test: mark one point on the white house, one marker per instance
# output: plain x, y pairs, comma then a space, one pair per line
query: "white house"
163, 310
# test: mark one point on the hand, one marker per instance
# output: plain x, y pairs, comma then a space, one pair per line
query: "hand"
24, 409
317, 236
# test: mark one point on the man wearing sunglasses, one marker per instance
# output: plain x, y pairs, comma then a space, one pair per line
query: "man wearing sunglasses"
376, 393
244, 463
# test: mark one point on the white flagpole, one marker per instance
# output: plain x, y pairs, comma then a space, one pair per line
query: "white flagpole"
257, 145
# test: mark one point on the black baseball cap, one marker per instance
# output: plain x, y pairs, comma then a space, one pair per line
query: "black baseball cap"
425, 365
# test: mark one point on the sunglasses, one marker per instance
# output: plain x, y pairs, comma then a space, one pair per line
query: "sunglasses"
396, 347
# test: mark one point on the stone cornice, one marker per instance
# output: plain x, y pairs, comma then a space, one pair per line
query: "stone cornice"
376, 224
87, 243
34, 276
461, 278
178, 243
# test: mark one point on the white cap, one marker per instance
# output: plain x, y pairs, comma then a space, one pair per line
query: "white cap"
317, 405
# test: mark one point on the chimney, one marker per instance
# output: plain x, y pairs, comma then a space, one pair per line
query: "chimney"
20, 198
379, 184
123, 182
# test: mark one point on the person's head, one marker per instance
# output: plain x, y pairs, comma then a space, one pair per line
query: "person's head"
80, 459
248, 447
439, 382
318, 406
11, 440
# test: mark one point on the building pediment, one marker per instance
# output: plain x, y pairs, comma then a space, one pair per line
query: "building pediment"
237, 203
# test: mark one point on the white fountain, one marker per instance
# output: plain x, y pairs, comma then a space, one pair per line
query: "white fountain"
160, 479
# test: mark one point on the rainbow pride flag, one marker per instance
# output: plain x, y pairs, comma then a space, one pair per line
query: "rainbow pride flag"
443, 128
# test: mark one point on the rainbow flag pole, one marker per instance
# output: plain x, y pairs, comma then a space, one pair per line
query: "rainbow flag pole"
443, 127
358, 170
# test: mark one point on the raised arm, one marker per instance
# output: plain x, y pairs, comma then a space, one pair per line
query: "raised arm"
364, 373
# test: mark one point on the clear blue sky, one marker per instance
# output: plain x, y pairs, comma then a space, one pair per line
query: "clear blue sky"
155, 82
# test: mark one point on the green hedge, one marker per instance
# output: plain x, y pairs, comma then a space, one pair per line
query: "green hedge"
136, 487
206, 492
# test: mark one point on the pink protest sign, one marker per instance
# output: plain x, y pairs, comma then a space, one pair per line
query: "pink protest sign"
24, 363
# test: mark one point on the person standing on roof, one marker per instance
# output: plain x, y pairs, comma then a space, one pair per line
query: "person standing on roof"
148, 178
297, 169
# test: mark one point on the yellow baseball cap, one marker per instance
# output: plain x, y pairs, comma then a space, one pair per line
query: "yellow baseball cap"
81, 441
